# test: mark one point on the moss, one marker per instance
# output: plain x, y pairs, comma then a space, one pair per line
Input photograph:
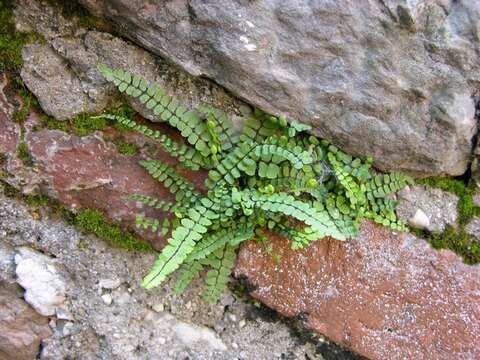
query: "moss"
93, 221
450, 185
81, 125
127, 149
85, 124
37, 200
456, 239
466, 208
11, 41
24, 154
29, 103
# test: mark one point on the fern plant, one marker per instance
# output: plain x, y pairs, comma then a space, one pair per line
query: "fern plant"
271, 176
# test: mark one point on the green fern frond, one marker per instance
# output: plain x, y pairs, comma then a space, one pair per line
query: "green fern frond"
300, 238
154, 203
183, 240
186, 274
272, 176
383, 185
211, 242
187, 156
220, 128
184, 191
221, 262
259, 127
163, 106
320, 221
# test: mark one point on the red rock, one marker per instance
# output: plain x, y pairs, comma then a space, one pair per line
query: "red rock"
21, 328
384, 295
9, 132
89, 172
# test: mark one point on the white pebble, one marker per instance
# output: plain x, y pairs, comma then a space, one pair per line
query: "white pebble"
420, 220
158, 307
107, 299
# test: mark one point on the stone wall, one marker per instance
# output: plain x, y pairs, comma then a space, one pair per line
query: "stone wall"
362, 73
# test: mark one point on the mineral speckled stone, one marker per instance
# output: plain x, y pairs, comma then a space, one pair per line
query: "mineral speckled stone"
384, 295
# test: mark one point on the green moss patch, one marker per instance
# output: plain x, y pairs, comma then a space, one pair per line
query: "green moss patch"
455, 239
94, 222
127, 148
12, 41
24, 154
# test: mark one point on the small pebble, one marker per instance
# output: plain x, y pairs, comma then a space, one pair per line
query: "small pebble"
242, 324
420, 220
109, 283
107, 299
158, 307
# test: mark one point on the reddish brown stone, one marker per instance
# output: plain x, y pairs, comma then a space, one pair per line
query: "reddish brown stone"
89, 172
384, 295
21, 328
9, 132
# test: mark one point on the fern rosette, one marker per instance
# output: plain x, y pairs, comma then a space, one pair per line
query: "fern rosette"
272, 175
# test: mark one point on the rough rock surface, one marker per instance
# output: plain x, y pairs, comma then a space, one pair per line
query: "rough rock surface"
135, 324
439, 206
38, 275
21, 328
62, 73
89, 172
384, 295
473, 228
393, 78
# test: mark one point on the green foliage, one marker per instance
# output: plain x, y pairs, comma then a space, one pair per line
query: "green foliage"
24, 154
37, 200
456, 239
272, 175
94, 222
127, 148
11, 41
82, 125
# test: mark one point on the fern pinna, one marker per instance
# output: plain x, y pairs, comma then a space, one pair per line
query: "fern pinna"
272, 175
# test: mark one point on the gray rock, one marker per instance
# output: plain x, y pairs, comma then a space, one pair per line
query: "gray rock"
63, 75
393, 79
193, 335
473, 228
44, 286
439, 208
129, 328
63, 96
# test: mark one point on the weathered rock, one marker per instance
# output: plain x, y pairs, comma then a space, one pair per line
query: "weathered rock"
473, 228
44, 286
192, 335
393, 79
21, 328
9, 131
45, 72
63, 73
439, 208
128, 328
384, 295
89, 172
